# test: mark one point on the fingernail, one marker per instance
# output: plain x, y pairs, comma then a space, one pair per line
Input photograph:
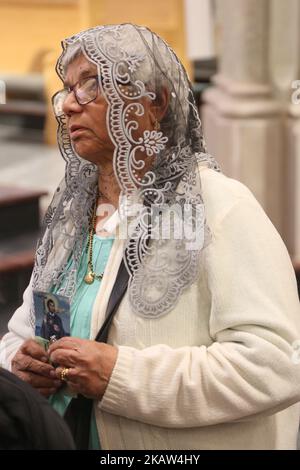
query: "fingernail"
52, 373
44, 359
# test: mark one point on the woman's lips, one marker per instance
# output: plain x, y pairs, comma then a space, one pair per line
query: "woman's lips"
76, 131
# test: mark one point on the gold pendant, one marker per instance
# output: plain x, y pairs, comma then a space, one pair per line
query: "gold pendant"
89, 278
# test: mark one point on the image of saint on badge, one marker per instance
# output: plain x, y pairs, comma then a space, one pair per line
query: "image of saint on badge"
52, 316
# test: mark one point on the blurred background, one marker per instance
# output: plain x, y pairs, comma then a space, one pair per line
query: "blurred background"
243, 59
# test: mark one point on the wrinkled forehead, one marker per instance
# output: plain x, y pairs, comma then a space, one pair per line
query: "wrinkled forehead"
78, 68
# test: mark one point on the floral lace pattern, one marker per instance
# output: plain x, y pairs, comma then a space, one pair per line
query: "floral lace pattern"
154, 142
134, 65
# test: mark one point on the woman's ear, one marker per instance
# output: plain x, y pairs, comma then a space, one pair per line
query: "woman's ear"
160, 105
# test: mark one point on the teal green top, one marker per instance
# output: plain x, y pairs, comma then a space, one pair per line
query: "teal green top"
81, 311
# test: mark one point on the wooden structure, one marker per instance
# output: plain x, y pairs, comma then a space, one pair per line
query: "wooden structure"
20, 223
33, 29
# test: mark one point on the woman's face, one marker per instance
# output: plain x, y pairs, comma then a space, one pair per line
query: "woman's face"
87, 123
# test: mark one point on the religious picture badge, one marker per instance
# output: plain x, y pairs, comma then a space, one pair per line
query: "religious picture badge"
52, 317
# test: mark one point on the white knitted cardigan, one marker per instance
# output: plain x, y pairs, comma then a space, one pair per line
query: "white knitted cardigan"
217, 371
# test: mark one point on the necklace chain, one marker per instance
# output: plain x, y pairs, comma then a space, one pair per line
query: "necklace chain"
91, 275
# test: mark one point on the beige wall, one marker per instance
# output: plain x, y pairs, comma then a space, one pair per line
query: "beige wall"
163, 16
32, 30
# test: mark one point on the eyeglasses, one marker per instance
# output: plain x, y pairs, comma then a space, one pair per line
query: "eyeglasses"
85, 91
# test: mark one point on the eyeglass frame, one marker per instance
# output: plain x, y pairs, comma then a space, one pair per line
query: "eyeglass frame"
71, 88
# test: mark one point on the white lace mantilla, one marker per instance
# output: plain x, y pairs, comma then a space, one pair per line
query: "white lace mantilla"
134, 65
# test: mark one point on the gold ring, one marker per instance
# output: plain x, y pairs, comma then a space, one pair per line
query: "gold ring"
64, 374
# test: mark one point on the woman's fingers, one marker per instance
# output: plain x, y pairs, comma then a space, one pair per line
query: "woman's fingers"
70, 374
35, 350
68, 342
38, 381
28, 366
23, 362
88, 368
76, 383
64, 357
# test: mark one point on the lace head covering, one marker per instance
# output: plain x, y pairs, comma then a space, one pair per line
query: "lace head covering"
162, 251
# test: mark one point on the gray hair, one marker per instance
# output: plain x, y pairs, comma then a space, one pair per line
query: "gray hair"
72, 52
158, 69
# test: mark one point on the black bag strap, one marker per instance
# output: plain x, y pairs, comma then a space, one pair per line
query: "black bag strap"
79, 411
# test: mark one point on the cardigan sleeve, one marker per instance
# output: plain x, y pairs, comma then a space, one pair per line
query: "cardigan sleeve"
19, 330
254, 320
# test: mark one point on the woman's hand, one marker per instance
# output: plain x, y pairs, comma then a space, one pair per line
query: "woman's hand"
31, 365
89, 364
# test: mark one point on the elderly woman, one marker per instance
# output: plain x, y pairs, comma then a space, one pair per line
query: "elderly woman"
184, 306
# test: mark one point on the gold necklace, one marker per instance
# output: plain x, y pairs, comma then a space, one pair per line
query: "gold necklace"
91, 275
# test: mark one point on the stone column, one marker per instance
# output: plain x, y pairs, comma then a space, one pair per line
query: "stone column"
242, 119
284, 70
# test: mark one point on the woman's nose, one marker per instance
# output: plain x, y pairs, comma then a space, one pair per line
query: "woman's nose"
71, 105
